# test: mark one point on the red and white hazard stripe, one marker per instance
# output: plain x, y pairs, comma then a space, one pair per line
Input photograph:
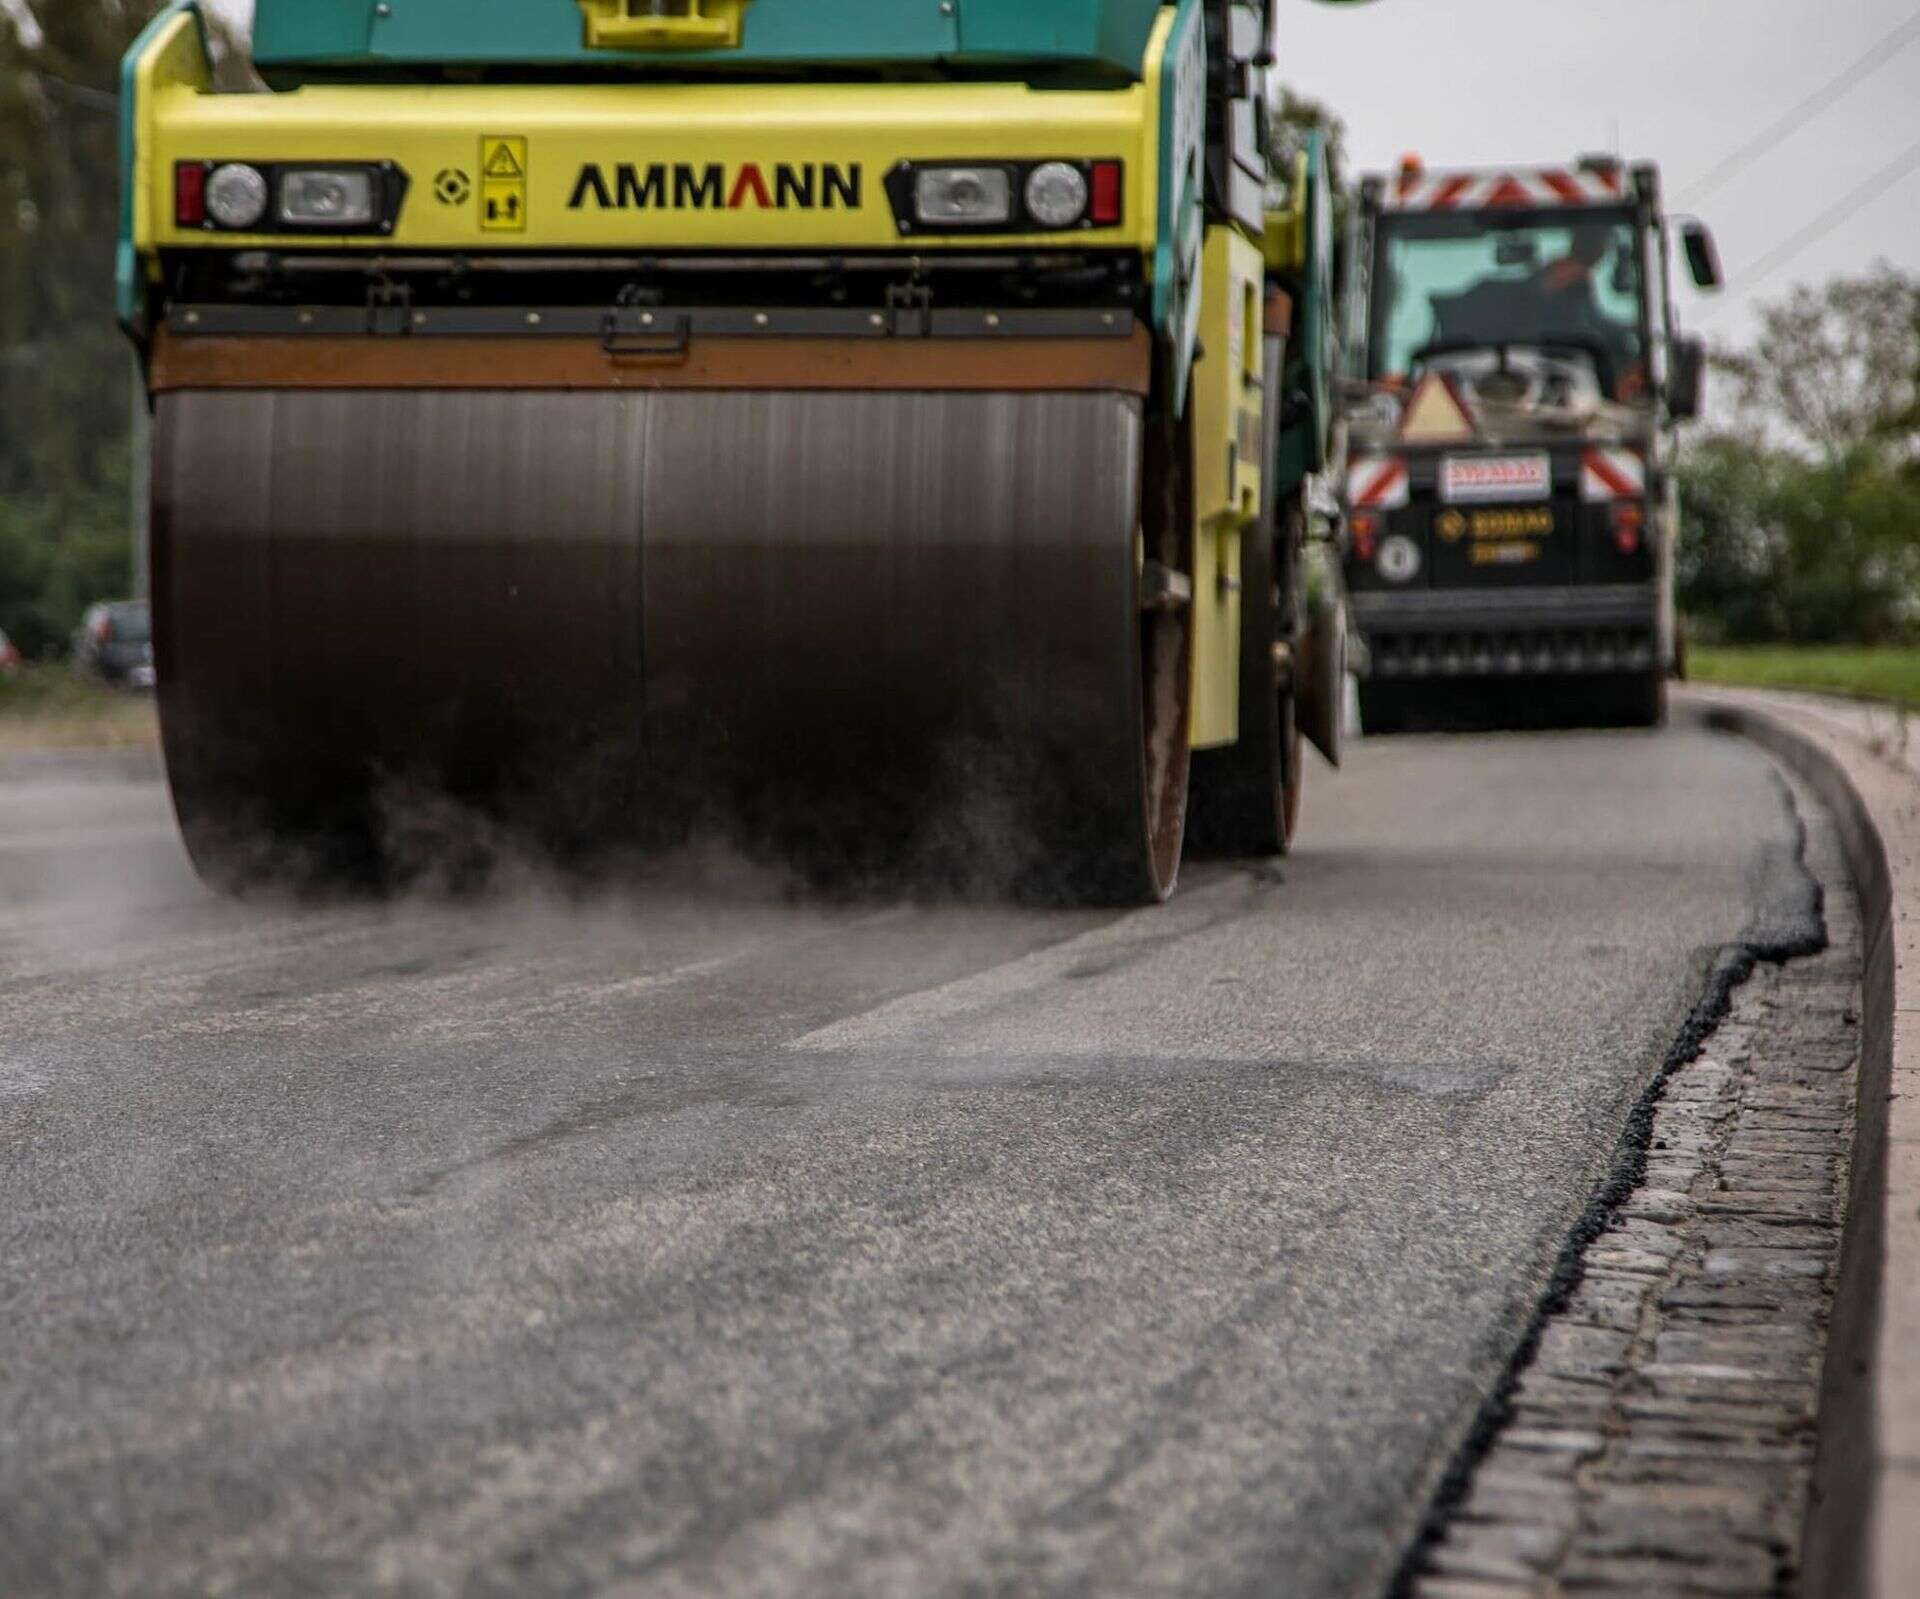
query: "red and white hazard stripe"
1612, 475
1377, 483
1528, 188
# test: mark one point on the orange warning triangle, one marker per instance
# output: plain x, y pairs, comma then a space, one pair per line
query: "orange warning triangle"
1436, 415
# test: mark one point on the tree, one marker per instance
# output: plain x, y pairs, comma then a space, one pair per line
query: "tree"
1727, 557
64, 367
62, 370
1837, 369
1294, 119
1801, 522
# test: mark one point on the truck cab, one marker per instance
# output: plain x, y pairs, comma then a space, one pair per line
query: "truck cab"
870, 333
1514, 379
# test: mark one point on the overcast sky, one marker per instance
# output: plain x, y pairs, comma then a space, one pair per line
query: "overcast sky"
1682, 82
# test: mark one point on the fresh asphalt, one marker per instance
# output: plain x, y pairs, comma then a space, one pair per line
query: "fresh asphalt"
702, 1238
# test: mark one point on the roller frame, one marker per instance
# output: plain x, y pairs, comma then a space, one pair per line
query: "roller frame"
440, 349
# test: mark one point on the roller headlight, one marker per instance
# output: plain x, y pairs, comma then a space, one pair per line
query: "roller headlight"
966, 197
314, 197
1051, 195
236, 196
1056, 194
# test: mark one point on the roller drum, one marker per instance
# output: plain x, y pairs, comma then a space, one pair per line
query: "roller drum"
872, 631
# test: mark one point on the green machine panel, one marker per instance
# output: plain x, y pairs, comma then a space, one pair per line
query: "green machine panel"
317, 38
1113, 32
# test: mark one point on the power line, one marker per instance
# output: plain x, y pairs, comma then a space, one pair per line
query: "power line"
1844, 83
1816, 230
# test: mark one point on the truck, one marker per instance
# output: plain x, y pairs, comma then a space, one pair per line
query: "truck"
878, 431
1514, 380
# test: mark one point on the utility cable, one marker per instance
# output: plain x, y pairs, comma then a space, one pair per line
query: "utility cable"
1837, 88
1830, 219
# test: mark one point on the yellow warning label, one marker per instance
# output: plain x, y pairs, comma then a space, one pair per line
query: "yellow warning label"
503, 184
503, 160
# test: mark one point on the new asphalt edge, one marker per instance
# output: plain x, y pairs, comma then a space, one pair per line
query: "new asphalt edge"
1789, 923
1863, 1519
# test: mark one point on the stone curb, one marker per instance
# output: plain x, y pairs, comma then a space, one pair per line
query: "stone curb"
1863, 1521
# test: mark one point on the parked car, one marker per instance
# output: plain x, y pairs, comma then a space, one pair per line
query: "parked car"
114, 642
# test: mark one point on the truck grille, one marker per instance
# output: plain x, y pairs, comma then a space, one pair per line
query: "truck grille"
1510, 652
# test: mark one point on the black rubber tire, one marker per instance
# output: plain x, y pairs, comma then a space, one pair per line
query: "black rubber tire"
1245, 799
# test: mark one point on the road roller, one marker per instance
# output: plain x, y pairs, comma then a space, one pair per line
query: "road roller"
882, 434
1517, 378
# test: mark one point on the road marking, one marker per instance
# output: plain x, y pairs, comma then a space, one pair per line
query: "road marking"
1109, 947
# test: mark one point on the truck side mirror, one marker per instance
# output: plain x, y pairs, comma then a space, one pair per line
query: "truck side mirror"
1703, 257
1686, 379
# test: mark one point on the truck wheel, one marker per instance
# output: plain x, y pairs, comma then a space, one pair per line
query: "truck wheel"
1631, 699
1646, 700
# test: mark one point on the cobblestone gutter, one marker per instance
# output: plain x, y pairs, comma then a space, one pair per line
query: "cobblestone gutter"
1661, 1438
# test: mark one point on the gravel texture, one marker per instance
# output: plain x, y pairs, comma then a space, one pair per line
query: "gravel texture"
697, 1238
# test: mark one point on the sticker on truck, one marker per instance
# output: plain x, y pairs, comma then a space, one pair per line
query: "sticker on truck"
1467, 479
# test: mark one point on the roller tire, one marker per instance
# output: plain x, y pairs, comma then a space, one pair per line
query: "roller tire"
1246, 798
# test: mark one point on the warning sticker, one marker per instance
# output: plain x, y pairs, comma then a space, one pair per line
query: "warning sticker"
503, 184
1496, 477
1528, 524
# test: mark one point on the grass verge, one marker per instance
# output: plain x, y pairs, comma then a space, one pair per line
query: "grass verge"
46, 707
1881, 674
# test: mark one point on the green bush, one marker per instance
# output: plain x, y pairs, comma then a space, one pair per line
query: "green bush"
64, 406
58, 554
1775, 548
1800, 519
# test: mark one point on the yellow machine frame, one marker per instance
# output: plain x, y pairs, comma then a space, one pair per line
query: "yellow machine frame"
568, 129
553, 134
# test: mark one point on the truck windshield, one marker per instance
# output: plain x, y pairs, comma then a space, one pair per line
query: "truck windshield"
1451, 283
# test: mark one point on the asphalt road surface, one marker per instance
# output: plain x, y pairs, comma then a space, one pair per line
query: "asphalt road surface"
700, 1239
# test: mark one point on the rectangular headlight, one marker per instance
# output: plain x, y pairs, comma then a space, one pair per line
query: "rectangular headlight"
962, 196
327, 197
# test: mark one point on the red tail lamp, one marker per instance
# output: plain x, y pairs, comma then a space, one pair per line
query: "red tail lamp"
1629, 518
1366, 534
190, 195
